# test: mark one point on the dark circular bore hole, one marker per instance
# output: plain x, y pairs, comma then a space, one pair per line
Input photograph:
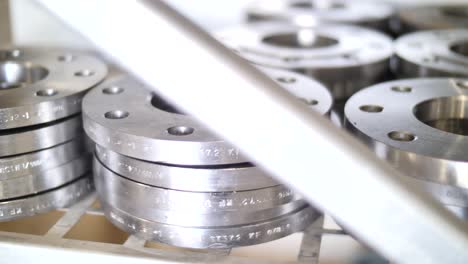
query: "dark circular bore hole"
116, 114
15, 74
319, 5
401, 136
456, 11
449, 114
112, 90
180, 130
286, 79
462, 84
84, 73
371, 108
460, 48
402, 89
302, 39
46, 92
161, 104
66, 58
309, 101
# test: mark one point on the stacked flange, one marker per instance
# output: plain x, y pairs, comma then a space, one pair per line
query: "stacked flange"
43, 155
162, 176
307, 12
420, 127
433, 17
432, 53
345, 58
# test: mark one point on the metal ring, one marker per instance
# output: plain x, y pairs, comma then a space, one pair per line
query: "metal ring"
125, 117
24, 140
199, 202
433, 53
198, 179
44, 180
433, 17
220, 237
36, 162
417, 125
39, 86
307, 12
345, 58
46, 201
192, 218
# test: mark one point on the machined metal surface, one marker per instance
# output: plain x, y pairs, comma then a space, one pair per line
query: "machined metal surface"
221, 237
433, 17
309, 12
419, 126
46, 201
201, 202
44, 180
236, 177
379, 189
39, 85
124, 116
432, 53
42, 160
345, 58
24, 140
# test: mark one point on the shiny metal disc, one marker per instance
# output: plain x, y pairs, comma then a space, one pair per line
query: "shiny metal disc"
433, 53
199, 202
43, 85
23, 140
46, 201
44, 180
195, 179
217, 237
309, 12
123, 116
433, 17
418, 125
345, 58
36, 162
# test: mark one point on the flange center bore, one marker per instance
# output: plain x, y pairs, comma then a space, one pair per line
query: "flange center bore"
302, 39
15, 74
449, 114
319, 5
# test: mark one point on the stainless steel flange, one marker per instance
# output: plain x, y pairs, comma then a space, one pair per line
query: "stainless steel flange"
43, 160
433, 17
196, 202
46, 201
198, 179
419, 126
432, 53
220, 237
123, 116
39, 86
44, 180
23, 140
307, 12
345, 58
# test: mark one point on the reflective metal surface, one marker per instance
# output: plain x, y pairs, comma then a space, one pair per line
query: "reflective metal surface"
420, 127
308, 12
44, 180
202, 202
46, 201
218, 237
432, 53
120, 115
43, 85
433, 17
199, 179
345, 58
